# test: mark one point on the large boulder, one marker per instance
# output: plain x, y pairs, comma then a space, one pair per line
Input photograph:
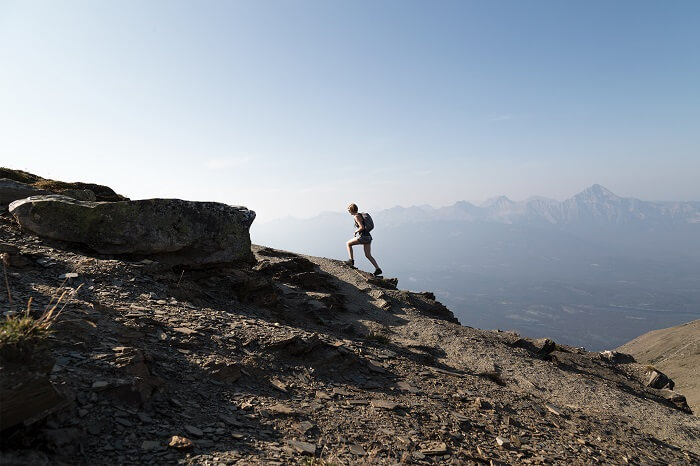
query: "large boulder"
172, 231
11, 190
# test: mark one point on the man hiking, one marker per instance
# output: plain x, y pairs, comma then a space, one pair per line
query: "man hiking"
362, 237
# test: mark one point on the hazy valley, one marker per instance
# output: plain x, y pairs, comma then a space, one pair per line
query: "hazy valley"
595, 270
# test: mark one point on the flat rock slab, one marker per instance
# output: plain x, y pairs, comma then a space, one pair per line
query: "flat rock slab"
281, 409
434, 449
385, 404
172, 231
305, 448
357, 449
196, 431
554, 409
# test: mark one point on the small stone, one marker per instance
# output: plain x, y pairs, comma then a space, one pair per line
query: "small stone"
341, 392
180, 443
68, 275
322, 395
99, 385
407, 387
357, 450
194, 430
94, 428
279, 385
434, 449
554, 409
357, 402
384, 404
545, 345
480, 403
502, 442
185, 330
281, 409
223, 372
305, 448
616, 357
230, 420
304, 427
124, 422
150, 444
659, 380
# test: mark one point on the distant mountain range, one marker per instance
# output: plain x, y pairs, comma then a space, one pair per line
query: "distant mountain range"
595, 216
595, 205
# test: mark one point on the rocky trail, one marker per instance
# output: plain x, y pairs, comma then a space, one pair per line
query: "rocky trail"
304, 360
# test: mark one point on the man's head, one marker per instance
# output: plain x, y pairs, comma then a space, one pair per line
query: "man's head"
352, 208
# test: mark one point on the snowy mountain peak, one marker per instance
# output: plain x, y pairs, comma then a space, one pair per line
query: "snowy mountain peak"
597, 192
498, 202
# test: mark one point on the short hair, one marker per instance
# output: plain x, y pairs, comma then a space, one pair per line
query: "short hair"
352, 208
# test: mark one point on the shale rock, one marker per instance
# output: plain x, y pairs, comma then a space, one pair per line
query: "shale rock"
173, 231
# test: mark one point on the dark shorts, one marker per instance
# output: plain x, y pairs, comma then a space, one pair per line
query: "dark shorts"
364, 239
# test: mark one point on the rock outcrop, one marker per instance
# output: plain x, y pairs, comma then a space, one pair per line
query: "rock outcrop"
11, 190
27, 184
171, 231
676, 352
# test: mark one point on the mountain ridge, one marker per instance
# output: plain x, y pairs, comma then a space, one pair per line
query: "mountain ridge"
291, 358
595, 204
303, 357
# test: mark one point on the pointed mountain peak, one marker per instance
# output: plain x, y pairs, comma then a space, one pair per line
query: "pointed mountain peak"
597, 192
463, 205
500, 201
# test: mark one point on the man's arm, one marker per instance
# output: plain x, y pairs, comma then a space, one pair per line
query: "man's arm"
360, 221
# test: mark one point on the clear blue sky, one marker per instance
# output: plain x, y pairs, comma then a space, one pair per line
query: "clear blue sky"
295, 107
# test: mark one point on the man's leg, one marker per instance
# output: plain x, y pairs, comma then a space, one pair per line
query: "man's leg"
349, 245
368, 254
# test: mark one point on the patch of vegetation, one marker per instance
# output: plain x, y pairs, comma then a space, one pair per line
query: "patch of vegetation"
19, 176
21, 330
103, 193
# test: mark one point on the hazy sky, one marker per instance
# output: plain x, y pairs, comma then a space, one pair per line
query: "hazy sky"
294, 107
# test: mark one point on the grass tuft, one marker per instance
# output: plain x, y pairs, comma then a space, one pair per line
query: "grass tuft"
23, 328
21, 331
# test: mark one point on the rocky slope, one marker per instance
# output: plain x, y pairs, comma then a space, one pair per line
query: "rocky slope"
298, 357
676, 352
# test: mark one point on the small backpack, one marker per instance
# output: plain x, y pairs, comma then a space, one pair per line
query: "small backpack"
367, 220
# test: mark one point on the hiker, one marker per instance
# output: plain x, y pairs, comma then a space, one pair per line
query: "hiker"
362, 237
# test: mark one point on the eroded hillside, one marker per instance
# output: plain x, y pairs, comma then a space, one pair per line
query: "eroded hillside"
298, 357
675, 351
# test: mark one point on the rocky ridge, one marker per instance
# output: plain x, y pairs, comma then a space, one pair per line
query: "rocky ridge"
297, 357
675, 351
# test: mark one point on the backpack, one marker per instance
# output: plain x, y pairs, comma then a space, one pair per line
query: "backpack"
367, 220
